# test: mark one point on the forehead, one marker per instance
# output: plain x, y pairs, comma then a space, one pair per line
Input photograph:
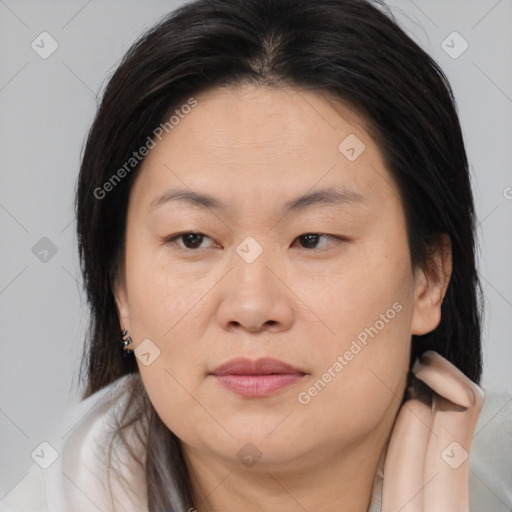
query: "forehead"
289, 122
253, 142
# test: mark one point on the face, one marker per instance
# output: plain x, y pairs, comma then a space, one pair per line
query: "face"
295, 269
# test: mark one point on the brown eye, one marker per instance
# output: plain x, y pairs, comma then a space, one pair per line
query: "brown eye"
190, 240
311, 240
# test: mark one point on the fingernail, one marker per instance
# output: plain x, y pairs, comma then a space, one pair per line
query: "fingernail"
419, 363
427, 357
431, 354
432, 358
424, 360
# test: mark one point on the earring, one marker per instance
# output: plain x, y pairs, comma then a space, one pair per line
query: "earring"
125, 341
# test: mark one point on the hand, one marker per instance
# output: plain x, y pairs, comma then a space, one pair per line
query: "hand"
427, 461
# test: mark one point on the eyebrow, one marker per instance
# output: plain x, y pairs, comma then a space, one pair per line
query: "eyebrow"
329, 196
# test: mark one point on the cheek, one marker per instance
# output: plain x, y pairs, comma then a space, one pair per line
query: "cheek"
162, 294
368, 309
366, 296
168, 308
359, 385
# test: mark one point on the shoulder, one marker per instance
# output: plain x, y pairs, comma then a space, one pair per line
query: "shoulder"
29, 495
87, 467
490, 485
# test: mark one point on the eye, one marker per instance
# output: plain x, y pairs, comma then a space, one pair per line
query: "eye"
310, 240
190, 239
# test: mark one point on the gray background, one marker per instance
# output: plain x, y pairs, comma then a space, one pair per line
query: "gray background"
47, 107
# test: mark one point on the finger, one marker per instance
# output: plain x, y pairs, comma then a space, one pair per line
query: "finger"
457, 407
403, 467
450, 382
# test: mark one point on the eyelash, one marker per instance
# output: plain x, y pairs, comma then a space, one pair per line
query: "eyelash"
173, 238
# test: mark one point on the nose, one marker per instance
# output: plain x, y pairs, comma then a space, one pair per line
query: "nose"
255, 297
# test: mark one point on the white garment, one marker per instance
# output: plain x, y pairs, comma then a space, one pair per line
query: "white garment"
78, 481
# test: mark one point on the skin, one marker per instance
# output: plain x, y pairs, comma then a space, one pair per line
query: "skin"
427, 460
256, 148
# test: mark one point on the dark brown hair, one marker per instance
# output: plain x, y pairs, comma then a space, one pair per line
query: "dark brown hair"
352, 49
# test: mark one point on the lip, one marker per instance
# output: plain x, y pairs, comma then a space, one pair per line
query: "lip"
256, 378
262, 366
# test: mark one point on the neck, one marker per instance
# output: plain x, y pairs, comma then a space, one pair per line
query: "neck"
341, 482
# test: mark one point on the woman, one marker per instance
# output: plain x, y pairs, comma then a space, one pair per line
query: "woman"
274, 209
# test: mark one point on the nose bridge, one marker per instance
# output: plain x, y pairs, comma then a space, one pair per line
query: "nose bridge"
254, 296
254, 248
253, 257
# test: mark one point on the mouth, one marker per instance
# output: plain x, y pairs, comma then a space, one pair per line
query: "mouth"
256, 378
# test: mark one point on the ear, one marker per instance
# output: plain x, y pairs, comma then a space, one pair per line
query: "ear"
431, 286
121, 298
